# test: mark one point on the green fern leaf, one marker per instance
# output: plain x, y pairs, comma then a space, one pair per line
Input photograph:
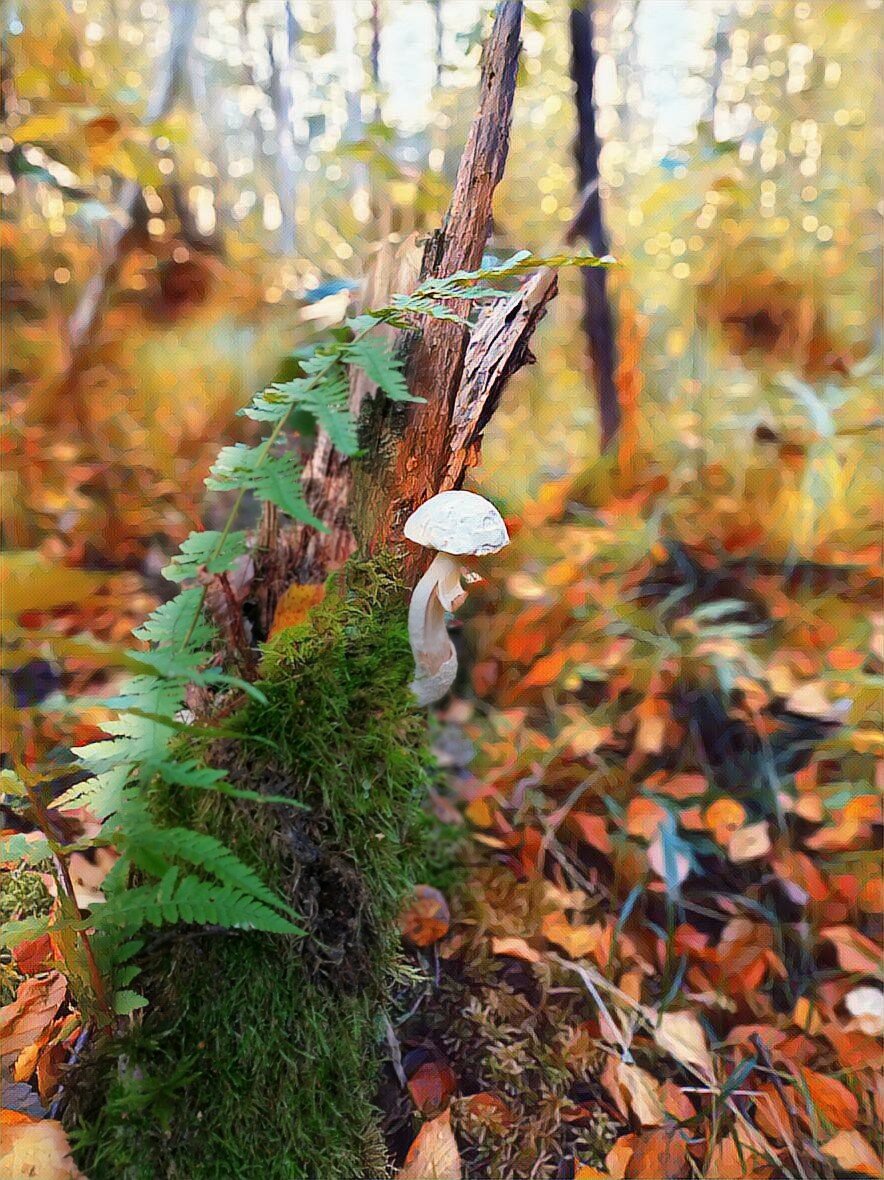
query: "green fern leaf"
276, 478
144, 843
381, 366
171, 622
205, 550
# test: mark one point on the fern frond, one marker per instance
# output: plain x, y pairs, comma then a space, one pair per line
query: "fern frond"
192, 900
145, 842
173, 622
205, 550
382, 367
276, 478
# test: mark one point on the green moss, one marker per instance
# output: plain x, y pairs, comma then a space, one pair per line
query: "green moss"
23, 894
257, 1055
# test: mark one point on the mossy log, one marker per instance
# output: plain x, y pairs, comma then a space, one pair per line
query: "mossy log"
258, 1054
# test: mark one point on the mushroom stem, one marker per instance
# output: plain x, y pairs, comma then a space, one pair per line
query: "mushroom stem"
434, 655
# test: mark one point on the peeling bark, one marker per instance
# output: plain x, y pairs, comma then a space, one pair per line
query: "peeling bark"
413, 451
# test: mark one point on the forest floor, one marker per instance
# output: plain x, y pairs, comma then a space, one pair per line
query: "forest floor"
662, 955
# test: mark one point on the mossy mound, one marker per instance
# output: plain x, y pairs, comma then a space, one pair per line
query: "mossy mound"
257, 1056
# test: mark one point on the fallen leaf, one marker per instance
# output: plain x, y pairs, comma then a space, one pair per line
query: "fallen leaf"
489, 1110
855, 952
31, 1012
591, 828
617, 1159
425, 918
37, 1150
676, 1102
518, 948
852, 1153
749, 843
434, 1155
727, 1161
30, 957
642, 1093
831, 1098
771, 1113
294, 607
681, 1035
659, 1153
806, 1017
723, 818
643, 817
431, 1086
810, 701
587, 1172
576, 941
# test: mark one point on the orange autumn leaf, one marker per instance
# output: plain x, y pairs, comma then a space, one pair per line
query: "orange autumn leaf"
587, 1172
13, 1118
294, 607
662, 1153
727, 1161
31, 956
517, 948
831, 1098
724, 817
489, 1110
425, 918
852, 1153
434, 1154
576, 941
652, 716
591, 828
31, 1012
549, 668
643, 817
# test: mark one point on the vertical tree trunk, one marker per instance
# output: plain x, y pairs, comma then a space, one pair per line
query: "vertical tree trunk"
598, 320
286, 153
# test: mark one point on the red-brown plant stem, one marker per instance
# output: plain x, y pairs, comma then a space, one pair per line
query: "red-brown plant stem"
65, 881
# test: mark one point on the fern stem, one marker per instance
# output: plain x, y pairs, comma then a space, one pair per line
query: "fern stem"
65, 882
265, 451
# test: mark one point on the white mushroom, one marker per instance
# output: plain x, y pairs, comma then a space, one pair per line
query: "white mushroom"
455, 524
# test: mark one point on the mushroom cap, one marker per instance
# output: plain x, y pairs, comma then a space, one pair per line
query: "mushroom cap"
458, 523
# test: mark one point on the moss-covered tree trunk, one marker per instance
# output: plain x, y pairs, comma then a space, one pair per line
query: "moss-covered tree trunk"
257, 1056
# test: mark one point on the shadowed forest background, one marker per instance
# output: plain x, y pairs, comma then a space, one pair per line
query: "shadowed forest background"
645, 940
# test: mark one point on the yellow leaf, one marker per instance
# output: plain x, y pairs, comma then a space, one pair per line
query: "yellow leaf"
28, 581
576, 941
434, 1154
852, 1153
681, 1035
642, 1093
37, 1149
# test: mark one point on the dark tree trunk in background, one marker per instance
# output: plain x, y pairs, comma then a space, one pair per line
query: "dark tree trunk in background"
598, 319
